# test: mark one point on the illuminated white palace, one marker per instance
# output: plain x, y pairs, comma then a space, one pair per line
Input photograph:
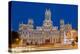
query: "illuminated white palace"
47, 33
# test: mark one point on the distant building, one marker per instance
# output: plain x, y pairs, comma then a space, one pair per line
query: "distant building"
47, 33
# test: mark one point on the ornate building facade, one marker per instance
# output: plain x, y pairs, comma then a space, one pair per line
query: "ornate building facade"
45, 34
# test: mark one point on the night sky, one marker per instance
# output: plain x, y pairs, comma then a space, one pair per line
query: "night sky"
22, 11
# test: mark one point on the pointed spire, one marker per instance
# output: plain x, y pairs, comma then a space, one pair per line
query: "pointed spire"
30, 21
48, 14
62, 22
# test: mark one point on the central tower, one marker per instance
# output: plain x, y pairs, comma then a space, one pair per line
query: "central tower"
48, 14
47, 23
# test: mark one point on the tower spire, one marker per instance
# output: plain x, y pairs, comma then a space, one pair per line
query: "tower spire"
30, 21
48, 14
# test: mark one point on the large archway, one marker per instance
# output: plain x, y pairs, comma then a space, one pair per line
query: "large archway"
47, 41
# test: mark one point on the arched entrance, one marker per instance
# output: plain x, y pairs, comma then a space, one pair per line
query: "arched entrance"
47, 41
